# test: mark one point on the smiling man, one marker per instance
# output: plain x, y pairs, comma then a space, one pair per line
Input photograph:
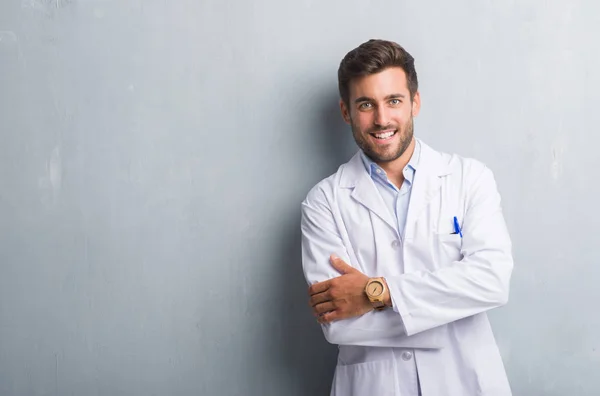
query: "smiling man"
405, 248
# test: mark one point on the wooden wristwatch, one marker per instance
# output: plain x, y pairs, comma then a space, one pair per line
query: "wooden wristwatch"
375, 291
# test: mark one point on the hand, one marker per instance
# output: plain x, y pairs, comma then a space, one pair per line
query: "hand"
342, 297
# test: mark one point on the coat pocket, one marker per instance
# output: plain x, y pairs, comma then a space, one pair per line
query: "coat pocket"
448, 248
370, 378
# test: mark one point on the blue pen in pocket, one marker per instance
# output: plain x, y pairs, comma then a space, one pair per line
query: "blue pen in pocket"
457, 229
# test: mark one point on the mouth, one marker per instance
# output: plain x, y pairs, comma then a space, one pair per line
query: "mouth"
384, 136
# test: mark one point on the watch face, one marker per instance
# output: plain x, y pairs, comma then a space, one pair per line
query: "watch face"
375, 288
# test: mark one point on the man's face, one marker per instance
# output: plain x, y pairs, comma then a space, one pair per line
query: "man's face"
380, 112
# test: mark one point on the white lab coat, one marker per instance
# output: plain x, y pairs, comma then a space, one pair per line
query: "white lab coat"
440, 295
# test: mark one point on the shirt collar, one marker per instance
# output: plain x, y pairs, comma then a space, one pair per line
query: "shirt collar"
413, 163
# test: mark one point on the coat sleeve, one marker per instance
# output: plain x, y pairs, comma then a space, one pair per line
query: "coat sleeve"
320, 239
476, 283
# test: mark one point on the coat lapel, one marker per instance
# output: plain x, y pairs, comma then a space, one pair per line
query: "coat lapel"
364, 190
426, 185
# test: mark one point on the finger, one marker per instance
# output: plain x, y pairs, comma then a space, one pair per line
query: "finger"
318, 287
328, 317
341, 265
323, 308
319, 298
338, 314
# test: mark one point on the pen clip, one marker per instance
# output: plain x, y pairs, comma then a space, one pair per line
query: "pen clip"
457, 229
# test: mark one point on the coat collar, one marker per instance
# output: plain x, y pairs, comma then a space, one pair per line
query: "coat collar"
426, 185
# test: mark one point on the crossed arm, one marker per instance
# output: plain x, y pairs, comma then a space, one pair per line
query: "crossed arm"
342, 297
422, 300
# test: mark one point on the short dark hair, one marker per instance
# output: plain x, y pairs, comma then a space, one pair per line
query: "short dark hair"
373, 57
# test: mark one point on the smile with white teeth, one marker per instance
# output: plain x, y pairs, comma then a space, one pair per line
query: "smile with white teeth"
384, 135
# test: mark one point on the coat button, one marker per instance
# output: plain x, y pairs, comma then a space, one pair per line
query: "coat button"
396, 244
406, 355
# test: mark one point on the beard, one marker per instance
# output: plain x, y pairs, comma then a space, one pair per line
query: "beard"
387, 153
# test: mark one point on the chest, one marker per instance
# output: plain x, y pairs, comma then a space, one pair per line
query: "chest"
427, 242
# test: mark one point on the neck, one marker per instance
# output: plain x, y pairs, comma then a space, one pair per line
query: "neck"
394, 169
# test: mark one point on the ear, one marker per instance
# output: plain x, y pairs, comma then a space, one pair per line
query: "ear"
416, 104
345, 112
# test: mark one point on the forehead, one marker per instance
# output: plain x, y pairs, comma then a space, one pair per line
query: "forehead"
379, 85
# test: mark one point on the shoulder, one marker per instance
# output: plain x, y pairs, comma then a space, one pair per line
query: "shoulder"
468, 176
470, 169
467, 169
325, 190
321, 192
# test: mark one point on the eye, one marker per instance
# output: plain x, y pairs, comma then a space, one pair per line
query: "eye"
395, 102
365, 106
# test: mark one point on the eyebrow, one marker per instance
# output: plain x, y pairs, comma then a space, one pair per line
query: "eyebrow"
392, 96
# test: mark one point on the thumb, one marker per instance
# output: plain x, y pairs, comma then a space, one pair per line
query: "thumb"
340, 265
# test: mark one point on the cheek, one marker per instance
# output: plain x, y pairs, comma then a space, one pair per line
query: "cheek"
363, 121
402, 117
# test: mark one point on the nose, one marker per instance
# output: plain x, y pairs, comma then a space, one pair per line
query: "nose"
382, 117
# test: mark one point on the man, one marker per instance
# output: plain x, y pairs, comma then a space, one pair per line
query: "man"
405, 248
